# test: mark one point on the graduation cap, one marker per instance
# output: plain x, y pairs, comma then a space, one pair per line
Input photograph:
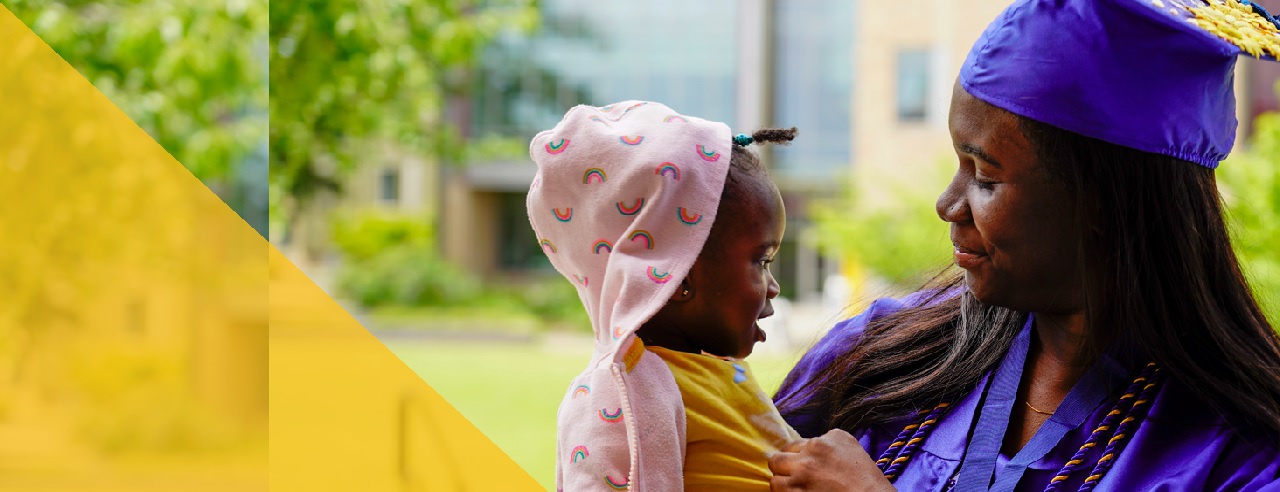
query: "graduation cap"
1153, 75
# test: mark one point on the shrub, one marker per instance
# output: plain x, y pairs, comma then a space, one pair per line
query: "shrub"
902, 241
556, 301
407, 275
360, 235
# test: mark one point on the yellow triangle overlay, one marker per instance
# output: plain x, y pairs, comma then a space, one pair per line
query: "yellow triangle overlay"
334, 386
134, 333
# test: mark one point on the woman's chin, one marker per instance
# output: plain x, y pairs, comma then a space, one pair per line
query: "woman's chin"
980, 289
971, 283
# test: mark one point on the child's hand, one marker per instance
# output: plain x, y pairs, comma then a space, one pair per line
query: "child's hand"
834, 461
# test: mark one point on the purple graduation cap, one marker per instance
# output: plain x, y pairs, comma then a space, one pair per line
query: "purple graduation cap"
1153, 75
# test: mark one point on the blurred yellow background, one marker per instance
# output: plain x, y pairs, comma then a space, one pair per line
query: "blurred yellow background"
133, 353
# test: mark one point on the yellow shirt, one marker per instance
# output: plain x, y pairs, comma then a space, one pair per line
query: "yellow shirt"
731, 424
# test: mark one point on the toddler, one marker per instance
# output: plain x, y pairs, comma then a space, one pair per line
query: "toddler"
666, 224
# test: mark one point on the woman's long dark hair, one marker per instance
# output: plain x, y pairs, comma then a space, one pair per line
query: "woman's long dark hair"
1163, 284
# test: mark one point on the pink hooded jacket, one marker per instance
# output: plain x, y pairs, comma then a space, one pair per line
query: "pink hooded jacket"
622, 204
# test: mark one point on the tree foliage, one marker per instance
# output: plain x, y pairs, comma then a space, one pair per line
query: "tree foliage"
345, 71
901, 242
1250, 182
192, 73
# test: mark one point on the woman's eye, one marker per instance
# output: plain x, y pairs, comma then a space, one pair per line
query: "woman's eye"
984, 183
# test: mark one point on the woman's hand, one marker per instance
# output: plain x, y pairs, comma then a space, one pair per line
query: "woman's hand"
834, 461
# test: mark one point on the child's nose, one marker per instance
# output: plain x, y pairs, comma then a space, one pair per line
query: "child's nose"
774, 288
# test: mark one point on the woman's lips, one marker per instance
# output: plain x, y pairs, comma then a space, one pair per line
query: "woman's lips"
967, 259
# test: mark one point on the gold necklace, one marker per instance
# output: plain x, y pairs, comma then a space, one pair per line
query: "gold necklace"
1037, 410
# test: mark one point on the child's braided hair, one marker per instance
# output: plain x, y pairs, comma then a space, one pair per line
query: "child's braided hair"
744, 163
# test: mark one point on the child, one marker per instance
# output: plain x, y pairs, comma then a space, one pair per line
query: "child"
667, 225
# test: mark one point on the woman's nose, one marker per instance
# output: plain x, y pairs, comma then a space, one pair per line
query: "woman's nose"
951, 205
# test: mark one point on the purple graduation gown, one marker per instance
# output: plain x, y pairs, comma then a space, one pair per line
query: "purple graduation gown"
1181, 445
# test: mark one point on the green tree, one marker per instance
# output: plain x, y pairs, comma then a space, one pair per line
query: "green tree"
901, 241
345, 71
192, 73
1250, 183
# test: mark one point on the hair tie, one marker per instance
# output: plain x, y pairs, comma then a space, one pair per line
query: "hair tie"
742, 139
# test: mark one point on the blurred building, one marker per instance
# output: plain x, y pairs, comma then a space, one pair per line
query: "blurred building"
908, 56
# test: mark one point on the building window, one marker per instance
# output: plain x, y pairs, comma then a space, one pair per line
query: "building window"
522, 85
517, 243
813, 73
913, 85
389, 186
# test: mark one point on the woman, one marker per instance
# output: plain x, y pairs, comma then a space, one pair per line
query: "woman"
1102, 335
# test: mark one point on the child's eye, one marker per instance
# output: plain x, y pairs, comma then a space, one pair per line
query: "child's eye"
765, 262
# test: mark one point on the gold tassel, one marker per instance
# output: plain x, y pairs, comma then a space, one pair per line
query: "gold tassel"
1240, 25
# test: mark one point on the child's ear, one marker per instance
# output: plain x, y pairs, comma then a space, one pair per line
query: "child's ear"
682, 293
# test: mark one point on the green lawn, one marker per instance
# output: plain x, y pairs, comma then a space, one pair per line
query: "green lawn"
511, 391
